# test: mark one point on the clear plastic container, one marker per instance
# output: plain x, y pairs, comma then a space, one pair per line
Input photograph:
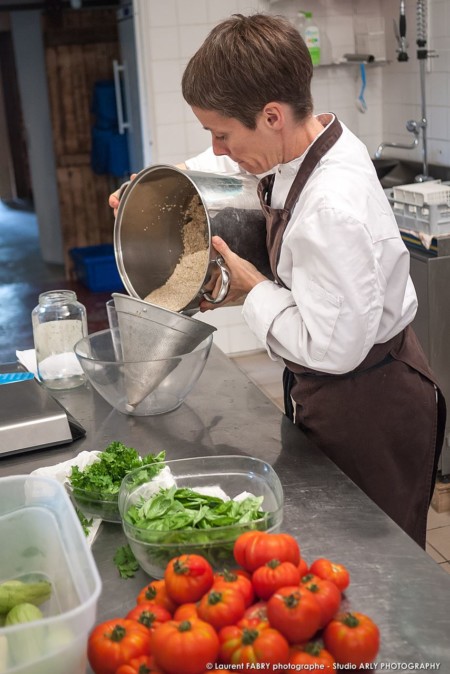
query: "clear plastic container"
59, 322
234, 475
45, 541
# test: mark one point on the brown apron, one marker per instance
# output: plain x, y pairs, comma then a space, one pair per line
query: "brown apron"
383, 423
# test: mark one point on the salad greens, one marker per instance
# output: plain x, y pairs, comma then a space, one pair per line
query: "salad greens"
193, 523
184, 508
125, 562
84, 521
95, 488
105, 476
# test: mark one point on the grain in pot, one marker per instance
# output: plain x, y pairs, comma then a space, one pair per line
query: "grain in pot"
185, 280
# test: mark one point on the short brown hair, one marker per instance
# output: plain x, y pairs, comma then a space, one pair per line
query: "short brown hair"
246, 62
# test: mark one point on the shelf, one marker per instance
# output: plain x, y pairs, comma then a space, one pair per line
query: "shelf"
339, 64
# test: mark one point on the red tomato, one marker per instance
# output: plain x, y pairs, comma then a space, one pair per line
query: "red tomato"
312, 656
303, 567
352, 638
295, 613
185, 647
257, 550
253, 623
142, 665
328, 570
236, 581
156, 592
149, 614
221, 607
186, 611
327, 596
187, 578
240, 545
240, 644
115, 642
273, 575
257, 610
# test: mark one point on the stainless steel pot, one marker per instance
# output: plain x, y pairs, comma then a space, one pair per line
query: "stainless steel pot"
148, 230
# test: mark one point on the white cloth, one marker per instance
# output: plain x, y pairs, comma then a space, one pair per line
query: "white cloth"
52, 365
61, 472
343, 259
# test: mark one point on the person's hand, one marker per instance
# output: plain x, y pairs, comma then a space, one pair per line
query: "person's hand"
243, 276
113, 200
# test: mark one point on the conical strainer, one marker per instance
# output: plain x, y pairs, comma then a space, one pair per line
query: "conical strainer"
151, 340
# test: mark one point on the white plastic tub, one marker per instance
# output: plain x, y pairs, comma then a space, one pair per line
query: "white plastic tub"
42, 539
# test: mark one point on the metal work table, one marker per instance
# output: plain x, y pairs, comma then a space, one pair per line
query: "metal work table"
392, 579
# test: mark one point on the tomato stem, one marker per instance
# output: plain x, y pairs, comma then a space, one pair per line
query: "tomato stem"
180, 568
214, 598
350, 620
184, 626
118, 633
147, 618
313, 587
273, 563
291, 601
150, 593
313, 648
249, 636
307, 578
228, 576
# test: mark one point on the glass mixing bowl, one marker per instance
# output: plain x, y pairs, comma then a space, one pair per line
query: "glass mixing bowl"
235, 475
140, 388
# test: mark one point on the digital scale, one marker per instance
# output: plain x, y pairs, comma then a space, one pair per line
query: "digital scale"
30, 418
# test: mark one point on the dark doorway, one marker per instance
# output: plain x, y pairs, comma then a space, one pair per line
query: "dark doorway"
14, 120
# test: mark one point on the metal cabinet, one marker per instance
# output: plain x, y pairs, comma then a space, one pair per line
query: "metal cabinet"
431, 277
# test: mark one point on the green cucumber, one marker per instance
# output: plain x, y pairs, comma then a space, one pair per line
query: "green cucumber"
14, 592
25, 647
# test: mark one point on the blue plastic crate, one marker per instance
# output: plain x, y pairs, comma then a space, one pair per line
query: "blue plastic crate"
96, 268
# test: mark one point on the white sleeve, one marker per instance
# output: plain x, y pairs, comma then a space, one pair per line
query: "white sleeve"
208, 161
329, 318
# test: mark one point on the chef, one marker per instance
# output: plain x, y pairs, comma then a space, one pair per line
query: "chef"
340, 307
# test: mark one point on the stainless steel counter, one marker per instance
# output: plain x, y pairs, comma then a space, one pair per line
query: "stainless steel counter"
392, 580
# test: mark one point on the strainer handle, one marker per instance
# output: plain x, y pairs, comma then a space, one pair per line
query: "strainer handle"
225, 274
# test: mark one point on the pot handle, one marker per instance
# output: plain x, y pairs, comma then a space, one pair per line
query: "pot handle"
225, 274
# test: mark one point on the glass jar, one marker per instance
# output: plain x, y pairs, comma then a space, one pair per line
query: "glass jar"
59, 321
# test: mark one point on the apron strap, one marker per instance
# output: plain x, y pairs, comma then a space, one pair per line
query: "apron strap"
288, 382
316, 152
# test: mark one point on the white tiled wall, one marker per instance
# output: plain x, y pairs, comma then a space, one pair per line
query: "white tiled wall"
401, 83
170, 31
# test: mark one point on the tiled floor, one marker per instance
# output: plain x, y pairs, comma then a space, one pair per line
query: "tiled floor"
266, 374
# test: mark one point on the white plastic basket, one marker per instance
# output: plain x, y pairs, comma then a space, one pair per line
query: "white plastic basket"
433, 219
430, 193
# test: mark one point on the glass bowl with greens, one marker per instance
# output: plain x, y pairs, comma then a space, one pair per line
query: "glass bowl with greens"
95, 489
210, 502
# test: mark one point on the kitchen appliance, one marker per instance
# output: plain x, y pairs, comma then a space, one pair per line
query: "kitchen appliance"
126, 83
148, 232
30, 418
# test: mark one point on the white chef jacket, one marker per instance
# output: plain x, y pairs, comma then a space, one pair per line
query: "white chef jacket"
342, 259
